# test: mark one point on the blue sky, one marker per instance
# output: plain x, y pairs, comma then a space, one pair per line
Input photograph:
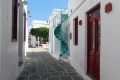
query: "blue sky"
41, 9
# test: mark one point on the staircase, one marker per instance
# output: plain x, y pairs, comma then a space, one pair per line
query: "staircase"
60, 35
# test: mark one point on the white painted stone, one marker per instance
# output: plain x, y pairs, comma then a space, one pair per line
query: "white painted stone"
9, 50
0, 36
55, 44
110, 37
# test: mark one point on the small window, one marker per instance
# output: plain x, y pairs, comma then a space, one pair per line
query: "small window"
14, 20
76, 31
94, 13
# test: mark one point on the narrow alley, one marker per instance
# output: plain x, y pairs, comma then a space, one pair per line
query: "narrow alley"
59, 40
42, 66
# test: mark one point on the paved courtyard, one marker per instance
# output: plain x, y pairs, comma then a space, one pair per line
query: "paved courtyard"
42, 66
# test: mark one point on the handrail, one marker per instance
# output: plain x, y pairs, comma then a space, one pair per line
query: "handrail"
62, 36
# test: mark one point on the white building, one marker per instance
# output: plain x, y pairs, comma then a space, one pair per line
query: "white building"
11, 35
37, 24
58, 33
26, 33
95, 36
51, 29
23, 33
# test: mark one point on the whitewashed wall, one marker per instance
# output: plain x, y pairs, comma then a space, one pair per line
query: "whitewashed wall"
33, 41
110, 37
0, 35
56, 41
110, 45
51, 37
38, 24
73, 5
9, 49
55, 44
51, 31
21, 32
66, 29
21, 46
9, 69
65, 26
26, 42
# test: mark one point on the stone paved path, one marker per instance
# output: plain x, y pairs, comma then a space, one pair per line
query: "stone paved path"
42, 66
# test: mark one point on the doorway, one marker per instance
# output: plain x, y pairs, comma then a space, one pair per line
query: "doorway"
93, 47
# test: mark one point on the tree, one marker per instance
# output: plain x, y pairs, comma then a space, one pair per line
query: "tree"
40, 32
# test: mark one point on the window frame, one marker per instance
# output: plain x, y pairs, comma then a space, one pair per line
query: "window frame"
25, 26
14, 20
75, 21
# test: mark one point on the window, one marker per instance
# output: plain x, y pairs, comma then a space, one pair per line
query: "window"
24, 26
76, 31
95, 13
14, 20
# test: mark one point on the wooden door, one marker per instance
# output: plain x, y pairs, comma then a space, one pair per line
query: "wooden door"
94, 43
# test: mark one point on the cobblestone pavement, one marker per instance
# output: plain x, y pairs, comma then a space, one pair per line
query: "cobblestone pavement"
42, 66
